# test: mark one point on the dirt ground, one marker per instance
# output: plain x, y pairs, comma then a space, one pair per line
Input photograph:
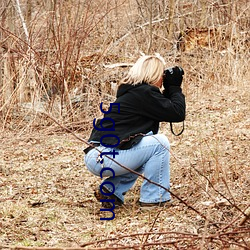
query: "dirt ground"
46, 193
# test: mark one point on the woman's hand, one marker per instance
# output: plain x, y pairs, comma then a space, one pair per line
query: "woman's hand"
173, 77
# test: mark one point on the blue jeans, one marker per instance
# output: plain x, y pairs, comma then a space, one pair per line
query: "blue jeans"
149, 157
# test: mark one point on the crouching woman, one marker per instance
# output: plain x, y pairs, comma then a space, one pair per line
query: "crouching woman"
134, 119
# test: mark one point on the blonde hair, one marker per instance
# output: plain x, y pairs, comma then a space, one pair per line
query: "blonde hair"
148, 69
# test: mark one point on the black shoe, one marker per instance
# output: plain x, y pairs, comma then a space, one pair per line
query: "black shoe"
151, 206
99, 196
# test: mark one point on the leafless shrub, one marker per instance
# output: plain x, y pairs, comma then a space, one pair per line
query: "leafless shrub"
53, 52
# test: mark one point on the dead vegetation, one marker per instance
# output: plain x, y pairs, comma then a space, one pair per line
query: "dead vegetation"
56, 60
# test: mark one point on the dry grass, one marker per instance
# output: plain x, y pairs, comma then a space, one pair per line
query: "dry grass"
46, 193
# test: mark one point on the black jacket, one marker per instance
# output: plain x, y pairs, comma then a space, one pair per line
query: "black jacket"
142, 107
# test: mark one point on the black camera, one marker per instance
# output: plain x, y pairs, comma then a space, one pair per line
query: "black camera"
173, 76
171, 70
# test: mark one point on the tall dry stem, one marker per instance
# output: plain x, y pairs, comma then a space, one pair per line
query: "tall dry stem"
171, 19
150, 10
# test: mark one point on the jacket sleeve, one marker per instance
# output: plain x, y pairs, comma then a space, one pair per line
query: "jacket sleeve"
169, 107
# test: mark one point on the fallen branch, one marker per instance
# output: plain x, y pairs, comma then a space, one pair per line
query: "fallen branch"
246, 216
38, 248
115, 65
174, 237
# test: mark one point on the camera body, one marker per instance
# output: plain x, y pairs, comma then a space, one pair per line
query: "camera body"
169, 70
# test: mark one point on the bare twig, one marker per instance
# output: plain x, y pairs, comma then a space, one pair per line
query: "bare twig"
153, 224
25, 29
111, 66
217, 191
246, 216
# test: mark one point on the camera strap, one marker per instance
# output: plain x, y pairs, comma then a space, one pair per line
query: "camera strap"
172, 130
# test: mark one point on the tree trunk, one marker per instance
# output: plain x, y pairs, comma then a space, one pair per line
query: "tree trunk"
6, 67
28, 87
150, 10
203, 20
171, 20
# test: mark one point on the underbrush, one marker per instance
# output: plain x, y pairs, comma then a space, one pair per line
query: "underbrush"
47, 193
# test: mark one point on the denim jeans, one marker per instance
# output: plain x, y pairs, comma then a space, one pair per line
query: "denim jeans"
148, 157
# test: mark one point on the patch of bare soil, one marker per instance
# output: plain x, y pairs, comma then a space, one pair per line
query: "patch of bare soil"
46, 193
